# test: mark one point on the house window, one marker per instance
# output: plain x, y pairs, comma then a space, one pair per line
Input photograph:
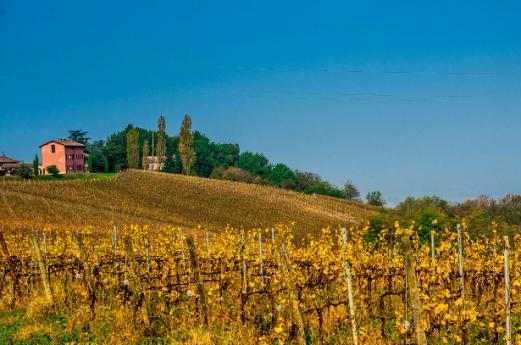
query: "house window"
53, 149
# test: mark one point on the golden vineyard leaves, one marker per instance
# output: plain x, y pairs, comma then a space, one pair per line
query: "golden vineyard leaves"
258, 298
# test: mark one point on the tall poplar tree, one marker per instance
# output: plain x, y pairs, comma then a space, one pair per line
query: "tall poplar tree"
144, 156
133, 148
161, 140
153, 147
186, 144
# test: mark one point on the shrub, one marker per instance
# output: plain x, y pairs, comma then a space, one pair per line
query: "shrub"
53, 170
288, 184
236, 174
217, 173
24, 172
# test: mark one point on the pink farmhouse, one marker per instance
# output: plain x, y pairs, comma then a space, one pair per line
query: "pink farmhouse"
67, 155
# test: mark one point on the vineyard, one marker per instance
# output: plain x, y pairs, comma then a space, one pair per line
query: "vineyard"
142, 284
139, 197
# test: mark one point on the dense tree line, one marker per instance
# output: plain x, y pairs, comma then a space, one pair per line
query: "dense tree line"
193, 153
432, 213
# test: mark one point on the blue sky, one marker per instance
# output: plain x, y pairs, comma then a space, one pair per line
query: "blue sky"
410, 98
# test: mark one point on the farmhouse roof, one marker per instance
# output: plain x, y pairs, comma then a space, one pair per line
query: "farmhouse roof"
64, 142
5, 159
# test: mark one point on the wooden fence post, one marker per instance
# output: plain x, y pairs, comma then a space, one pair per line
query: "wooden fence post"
197, 275
43, 271
414, 295
347, 274
508, 323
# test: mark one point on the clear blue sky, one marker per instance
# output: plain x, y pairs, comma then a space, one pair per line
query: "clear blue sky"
411, 98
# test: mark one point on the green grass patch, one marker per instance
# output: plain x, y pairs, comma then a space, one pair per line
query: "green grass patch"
45, 329
91, 176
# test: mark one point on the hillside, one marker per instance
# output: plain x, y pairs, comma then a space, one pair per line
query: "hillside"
157, 199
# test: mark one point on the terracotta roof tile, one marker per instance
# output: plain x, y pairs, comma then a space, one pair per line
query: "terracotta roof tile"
64, 142
5, 159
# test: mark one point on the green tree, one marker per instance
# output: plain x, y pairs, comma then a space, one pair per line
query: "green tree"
254, 163
411, 207
91, 161
115, 149
133, 148
161, 139
204, 162
79, 136
324, 188
106, 165
281, 173
53, 170
350, 191
97, 149
375, 198
170, 165
186, 143
225, 155
36, 165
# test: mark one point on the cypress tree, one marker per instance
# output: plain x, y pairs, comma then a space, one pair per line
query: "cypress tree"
35, 166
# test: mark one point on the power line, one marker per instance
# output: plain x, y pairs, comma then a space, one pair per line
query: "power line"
254, 68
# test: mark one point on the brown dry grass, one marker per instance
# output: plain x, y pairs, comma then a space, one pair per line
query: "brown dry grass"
158, 199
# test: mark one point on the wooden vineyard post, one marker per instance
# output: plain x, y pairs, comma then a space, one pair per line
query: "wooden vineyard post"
199, 282
244, 266
433, 256
207, 243
182, 248
141, 298
10, 265
460, 261
244, 289
414, 295
508, 323
41, 266
261, 262
462, 278
347, 274
87, 273
284, 265
147, 256
114, 241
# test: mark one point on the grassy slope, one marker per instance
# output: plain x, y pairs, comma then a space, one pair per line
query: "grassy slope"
157, 199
